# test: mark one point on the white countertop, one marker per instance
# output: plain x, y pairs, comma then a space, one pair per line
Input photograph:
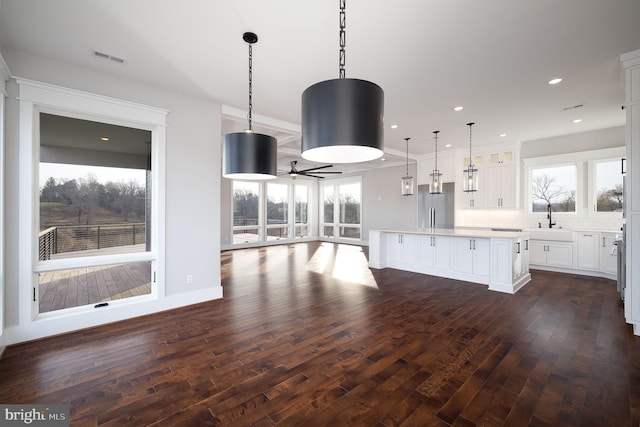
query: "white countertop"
458, 232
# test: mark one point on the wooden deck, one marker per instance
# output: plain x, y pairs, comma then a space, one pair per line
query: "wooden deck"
308, 335
92, 285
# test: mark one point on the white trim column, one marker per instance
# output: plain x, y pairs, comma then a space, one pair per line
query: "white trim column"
5, 74
631, 65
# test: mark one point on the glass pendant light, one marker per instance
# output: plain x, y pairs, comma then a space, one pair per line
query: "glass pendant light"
470, 182
342, 119
435, 184
407, 181
248, 155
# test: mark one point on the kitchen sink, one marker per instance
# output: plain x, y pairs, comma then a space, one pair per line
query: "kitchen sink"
556, 234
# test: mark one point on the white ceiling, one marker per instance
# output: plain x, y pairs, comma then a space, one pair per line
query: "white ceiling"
494, 57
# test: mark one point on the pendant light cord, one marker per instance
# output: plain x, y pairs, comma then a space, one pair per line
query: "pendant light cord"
407, 139
436, 137
343, 21
250, 86
471, 165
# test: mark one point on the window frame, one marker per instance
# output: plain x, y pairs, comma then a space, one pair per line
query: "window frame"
578, 189
36, 98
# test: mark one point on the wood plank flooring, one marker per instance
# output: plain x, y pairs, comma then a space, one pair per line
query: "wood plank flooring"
90, 285
308, 335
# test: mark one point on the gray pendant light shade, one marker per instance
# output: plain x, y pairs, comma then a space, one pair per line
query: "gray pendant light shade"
248, 155
342, 121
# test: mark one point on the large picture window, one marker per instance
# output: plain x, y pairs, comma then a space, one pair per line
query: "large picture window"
555, 187
608, 186
94, 182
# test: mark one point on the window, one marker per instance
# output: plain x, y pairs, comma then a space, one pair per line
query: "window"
277, 211
554, 186
94, 182
341, 211
301, 196
350, 210
246, 208
608, 186
262, 211
328, 202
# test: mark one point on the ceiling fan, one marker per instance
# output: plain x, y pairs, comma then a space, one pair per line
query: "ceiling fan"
311, 172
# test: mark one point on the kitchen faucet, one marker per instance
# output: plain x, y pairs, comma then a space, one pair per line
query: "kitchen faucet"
551, 224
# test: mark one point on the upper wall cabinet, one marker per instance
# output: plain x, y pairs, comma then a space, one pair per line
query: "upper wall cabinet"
446, 165
498, 179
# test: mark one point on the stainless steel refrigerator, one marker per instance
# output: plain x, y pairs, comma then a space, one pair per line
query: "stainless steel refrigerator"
436, 210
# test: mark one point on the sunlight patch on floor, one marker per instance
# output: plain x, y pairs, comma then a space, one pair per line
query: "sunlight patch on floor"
350, 264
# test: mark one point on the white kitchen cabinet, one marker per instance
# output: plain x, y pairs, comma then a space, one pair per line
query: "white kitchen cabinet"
471, 256
588, 250
402, 250
501, 186
510, 262
446, 165
550, 253
608, 262
435, 252
506, 157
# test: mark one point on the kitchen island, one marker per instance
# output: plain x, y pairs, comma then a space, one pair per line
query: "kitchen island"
499, 259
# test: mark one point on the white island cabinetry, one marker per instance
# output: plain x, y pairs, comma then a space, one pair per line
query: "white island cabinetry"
469, 255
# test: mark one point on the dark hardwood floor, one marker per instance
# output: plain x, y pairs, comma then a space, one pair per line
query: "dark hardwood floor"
308, 335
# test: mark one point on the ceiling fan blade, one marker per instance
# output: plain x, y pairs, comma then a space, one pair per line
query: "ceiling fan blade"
313, 176
328, 172
316, 168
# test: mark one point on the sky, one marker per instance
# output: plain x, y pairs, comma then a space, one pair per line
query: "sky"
61, 173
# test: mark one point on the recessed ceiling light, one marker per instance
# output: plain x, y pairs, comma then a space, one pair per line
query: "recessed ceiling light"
382, 159
458, 108
554, 81
576, 120
447, 145
502, 135
104, 138
394, 126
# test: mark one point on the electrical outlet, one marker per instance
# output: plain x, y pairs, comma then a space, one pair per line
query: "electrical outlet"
189, 279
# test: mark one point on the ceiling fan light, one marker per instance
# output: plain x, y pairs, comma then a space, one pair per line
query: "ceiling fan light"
342, 121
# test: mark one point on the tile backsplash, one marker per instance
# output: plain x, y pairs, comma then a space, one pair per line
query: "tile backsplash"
517, 218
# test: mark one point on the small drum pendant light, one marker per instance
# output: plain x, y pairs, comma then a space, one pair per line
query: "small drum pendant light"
342, 119
248, 155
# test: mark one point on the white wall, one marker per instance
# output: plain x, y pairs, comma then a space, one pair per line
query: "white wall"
193, 159
383, 204
583, 141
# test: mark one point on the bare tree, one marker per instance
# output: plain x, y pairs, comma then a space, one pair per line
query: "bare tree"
544, 187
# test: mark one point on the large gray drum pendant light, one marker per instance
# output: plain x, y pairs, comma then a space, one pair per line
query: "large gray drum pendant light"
342, 119
248, 155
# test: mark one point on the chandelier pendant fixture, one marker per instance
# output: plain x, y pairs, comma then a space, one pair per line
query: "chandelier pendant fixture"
248, 155
407, 181
342, 119
435, 184
470, 182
